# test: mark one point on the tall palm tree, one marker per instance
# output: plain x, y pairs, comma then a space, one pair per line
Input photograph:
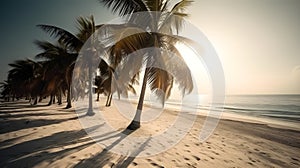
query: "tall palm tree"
73, 44
159, 27
58, 61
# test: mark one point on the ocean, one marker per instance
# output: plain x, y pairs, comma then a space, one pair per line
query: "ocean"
283, 107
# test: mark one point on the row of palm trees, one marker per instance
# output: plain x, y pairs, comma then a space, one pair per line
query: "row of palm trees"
148, 24
51, 74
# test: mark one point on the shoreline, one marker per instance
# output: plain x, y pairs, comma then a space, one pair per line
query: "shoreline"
234, 116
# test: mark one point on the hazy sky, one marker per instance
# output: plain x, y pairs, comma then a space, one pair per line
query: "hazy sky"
258, 41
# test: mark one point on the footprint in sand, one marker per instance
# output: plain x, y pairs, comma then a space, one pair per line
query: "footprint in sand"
252, 160
155, 164
250, 163
196, 157
189, 165
227, 161
185, 158
134, 164
216, 153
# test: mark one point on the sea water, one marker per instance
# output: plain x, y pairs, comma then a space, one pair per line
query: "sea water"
285, 107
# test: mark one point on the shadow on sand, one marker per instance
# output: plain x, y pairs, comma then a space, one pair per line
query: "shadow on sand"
15, 152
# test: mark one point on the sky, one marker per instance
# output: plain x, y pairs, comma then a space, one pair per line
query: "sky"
257, 41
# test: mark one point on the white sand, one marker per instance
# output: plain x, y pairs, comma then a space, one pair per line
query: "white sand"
45, 136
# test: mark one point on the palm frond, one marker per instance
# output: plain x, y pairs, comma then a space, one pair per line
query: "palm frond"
172, 61
155, 5
51, 51
44, 45
124, 7
160, 82
86, 27
173, 20
63, 36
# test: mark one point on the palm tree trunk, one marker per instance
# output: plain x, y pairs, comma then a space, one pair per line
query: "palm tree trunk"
59, 99
35, 101
98, 95
107, 100
51, 100
90, 109
69, 104
40, 99
135, 123
110, 98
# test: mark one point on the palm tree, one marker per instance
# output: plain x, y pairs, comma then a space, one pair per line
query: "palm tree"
73, 44
5, 90
58, 61
104, 83
159, 26
25, 78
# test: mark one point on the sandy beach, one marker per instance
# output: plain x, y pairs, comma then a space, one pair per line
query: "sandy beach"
50, 136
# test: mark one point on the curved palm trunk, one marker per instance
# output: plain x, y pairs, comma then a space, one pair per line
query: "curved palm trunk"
135, 123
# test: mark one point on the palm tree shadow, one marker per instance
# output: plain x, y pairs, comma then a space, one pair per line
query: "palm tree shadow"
31, 153
124, 161
19, 124
103, 158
